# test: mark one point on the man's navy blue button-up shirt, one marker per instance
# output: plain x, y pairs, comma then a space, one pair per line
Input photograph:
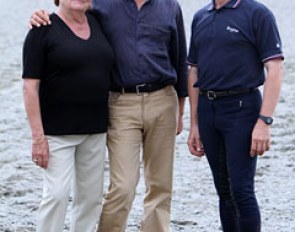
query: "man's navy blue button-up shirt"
229, 46
149, 43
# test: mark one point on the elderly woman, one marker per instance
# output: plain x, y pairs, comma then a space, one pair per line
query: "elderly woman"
66, 74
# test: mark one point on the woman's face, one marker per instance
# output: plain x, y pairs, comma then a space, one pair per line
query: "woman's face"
81, 5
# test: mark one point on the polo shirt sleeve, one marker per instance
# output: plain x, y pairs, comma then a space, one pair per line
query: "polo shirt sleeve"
34, 53
268, 39
192, 54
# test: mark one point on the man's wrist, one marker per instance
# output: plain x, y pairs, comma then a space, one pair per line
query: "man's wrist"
265, 119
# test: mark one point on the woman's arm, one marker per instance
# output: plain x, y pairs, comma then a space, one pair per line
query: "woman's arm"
40, 150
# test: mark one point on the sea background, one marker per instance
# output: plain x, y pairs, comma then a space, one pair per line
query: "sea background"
194, 204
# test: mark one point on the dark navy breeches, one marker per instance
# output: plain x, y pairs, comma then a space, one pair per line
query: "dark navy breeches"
226, 126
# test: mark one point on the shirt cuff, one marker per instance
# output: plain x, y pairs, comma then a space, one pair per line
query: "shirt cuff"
281, 56
190, 63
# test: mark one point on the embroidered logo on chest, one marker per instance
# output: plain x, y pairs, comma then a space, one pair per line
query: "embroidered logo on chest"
232, 29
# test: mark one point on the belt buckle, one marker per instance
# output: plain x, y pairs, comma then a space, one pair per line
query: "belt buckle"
211, 95
137, 88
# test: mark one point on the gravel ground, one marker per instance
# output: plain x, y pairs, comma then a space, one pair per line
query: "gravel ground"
194, 206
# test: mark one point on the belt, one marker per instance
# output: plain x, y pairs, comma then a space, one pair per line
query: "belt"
143, 88
211, 95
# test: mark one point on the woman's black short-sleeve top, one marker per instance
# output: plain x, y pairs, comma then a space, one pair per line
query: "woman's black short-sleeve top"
74, 76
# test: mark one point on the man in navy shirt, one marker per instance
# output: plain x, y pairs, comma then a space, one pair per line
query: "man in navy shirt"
149, 42
232, 42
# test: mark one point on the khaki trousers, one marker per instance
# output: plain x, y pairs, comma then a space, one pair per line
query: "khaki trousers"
79, 158
149, 121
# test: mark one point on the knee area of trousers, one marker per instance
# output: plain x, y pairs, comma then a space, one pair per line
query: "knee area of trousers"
243, 196
125, 192
94, 200
57, 195
224, 193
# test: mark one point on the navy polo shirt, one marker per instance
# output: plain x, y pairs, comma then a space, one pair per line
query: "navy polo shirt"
230, 45
149, 43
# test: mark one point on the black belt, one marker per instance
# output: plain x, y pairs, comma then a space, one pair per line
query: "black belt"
211, 95
143, 88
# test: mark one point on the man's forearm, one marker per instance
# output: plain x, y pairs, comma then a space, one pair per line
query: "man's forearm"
193, 95
181, 103
272, 87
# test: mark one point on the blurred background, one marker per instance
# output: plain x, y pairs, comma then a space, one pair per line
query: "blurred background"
194, 206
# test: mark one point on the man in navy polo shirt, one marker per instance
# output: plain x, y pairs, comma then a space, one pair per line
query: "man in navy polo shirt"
232, 42
149, 42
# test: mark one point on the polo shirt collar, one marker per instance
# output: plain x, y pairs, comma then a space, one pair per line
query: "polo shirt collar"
232, 4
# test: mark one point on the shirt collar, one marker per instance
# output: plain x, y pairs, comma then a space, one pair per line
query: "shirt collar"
232, 4
146, 1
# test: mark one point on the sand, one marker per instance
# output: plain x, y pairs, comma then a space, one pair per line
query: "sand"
194, 205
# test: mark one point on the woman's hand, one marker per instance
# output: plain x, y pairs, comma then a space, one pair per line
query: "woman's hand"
40, 152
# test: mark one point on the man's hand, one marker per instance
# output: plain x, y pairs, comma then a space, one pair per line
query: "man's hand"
194, 142
180, 125
260, 139
40, 152
40, 17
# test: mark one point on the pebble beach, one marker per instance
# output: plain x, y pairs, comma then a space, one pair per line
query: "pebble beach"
194, 203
